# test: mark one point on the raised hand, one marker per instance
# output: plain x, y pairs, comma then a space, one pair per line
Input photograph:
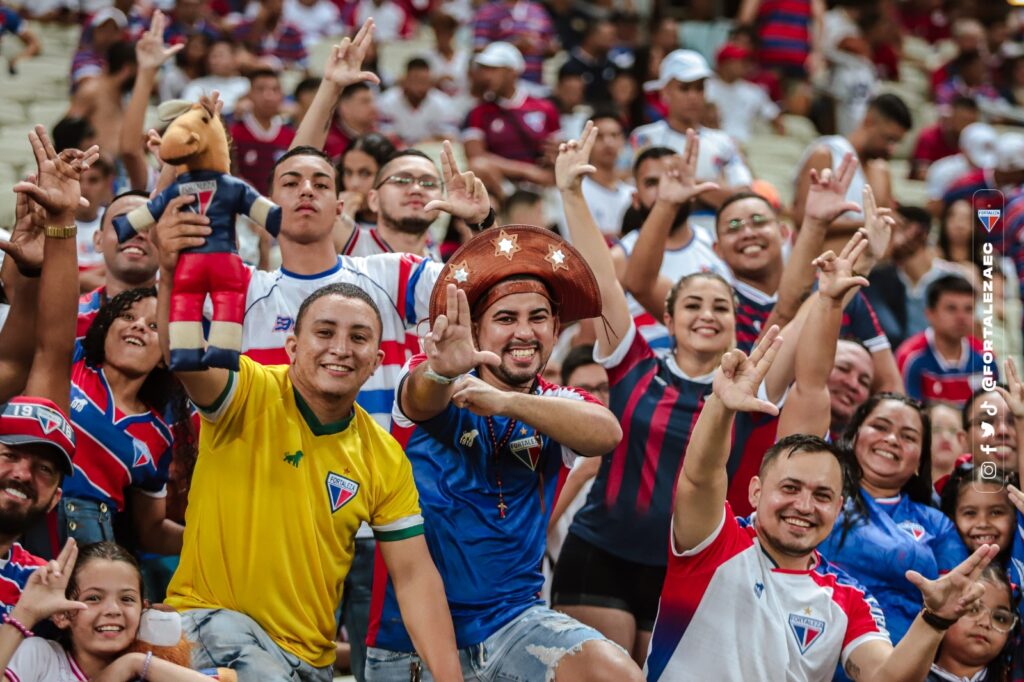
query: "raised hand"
449, 345
878, 224
951, 595
479, 397
1013, 394
27, 238
150, 51
1016, 497
345, 62
57, 188
737, 380
835, 273
212, 102
678, 184
466, 195
43, 595
573, 160
826, 197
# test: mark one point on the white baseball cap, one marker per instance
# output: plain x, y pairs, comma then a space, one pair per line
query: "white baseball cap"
1010, 152
109, 14
978, 142
502, 55
685, 66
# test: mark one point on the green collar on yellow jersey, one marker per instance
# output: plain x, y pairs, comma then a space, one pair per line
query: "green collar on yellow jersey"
315, 426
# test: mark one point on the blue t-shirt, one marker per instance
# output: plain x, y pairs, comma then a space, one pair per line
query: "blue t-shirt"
491, 566
896, 535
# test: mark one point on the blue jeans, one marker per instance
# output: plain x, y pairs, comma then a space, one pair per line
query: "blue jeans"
355, 605
528, 649
229, 639
86, 521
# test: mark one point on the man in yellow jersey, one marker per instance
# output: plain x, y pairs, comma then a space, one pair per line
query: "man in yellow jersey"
288, 468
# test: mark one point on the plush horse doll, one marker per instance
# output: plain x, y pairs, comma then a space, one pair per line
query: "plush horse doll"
160, 632
196, 140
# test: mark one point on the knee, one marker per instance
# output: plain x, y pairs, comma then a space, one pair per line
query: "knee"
598, 661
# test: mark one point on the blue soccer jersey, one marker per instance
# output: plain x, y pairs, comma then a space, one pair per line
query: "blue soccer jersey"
896, 535
490, 564
928, 377
15, 570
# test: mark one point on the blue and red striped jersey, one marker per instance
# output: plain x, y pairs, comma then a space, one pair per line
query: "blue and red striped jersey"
784, 33
114, 451
928, 377
88, 305
464, 466
14, 573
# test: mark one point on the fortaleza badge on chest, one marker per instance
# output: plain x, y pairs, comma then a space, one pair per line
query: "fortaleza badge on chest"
527, 448
340, 490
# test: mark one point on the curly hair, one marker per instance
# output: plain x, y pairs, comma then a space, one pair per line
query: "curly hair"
161, 391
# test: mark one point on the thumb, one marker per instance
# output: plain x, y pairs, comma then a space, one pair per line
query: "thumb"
31, 190
486, 357
705, 187
763, 406
438, 205
369, 76
849, 206
918, 580
587, 169
174, 49
8, 247
73, 606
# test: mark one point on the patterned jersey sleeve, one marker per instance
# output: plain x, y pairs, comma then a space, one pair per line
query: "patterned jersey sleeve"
633, 348
725, 542
860, 321
865, 620
911, 373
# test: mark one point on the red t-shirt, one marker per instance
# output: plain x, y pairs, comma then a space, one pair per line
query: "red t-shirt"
932, 145
514, 129
256, 150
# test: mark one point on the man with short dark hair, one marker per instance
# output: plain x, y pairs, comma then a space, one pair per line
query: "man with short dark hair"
872, 143
945, 362
942, 138
261, 136
415, 111
590, 60
728, 576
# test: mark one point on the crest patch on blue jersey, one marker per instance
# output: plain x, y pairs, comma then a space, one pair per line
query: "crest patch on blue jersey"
142, 454
202, 190
916, 530
807, 630
340, 490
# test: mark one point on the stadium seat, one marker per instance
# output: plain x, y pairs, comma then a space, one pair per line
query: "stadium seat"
909, 192
47, 113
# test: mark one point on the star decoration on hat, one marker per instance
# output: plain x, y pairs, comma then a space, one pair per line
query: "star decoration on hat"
459, 273
506, 244
556, 256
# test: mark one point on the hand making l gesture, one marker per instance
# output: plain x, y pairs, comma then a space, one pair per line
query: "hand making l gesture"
345, 63
44, 592
466, 195
573, 160
835, 273
952, 595
150, 52
826, 197
678, 184
57, 188
449, 346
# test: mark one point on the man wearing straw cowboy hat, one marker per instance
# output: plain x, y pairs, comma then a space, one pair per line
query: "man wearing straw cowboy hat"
489, 441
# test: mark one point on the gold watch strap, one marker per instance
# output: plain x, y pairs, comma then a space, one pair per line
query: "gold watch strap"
61, 231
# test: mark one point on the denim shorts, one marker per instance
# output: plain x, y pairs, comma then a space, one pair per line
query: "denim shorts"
228, 639
86, 521
528, 649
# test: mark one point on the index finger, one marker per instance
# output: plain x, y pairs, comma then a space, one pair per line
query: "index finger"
51, 153
870, 207
761, 348
847, 169
464, 316
363, 31
67, 557
976, 563
452, 303
447, 162
589, 137
692, 151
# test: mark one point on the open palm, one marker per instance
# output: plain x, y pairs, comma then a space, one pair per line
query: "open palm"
737, 381
826, 197
573, 162
150, 51
57, 188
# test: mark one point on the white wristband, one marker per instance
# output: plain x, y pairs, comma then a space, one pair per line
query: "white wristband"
438, 378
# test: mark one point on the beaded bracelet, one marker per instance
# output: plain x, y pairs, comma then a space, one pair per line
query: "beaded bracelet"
13, 622
145, 666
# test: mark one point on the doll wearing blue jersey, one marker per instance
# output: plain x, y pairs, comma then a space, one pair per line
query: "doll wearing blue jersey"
196, 140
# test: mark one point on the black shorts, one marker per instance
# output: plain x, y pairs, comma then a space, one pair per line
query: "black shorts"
586, 575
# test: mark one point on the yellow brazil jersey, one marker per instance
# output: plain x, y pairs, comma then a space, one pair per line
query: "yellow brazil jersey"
276, 500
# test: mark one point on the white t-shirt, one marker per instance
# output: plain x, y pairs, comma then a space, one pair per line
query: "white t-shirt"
41, 660
456, 69
231, 89
739, 104
719, 161
437, 116
608, 206
944, 172
88, 256
322, 20
696, 256
839, 147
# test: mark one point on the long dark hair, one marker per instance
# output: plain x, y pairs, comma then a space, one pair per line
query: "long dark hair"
967, 474
918, 488
161, 391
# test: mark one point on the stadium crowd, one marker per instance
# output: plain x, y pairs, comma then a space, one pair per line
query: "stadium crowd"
584, 341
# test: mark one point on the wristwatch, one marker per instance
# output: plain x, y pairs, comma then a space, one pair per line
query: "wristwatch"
61, 231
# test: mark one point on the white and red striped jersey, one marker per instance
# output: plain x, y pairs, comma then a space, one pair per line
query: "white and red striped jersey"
367, 241
727, 596
400, 285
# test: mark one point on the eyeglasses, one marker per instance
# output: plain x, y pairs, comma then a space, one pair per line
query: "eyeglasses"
424, 181
1003, 620
757, 221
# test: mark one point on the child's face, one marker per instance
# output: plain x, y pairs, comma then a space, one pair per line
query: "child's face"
111, 591
984, 515
975, 639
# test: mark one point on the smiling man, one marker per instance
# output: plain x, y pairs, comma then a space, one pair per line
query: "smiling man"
489, 439
288, 460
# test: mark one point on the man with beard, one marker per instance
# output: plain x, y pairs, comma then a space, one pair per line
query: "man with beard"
685, 250
130, 265
759, 587
872, 143
36, 438
488, 440
99, 100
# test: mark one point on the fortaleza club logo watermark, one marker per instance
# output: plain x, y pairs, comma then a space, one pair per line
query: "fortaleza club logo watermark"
988, 206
